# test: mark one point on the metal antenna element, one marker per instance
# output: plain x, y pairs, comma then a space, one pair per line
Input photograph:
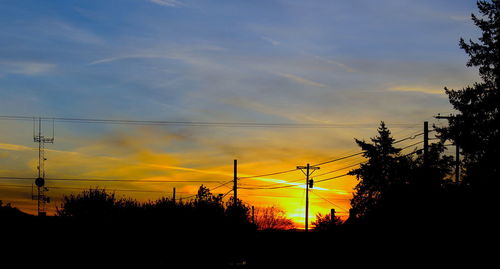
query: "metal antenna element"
40, 180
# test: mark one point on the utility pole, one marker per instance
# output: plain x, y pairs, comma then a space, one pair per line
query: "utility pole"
426, 145
309, 183
332, 215
427, 181
235, 183
457, 149
173, 195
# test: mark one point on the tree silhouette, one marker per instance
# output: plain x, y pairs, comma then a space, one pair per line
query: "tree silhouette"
476, 128
208, 205
238, 212
439, 167
391, 184
272, 218
92, 203
384, 169
7, 211
326, 222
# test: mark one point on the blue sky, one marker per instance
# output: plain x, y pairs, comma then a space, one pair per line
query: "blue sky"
242, 61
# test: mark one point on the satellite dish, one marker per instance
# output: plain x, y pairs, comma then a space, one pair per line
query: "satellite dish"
39, 182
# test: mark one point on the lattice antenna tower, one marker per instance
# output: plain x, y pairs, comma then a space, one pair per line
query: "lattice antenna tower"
41, 198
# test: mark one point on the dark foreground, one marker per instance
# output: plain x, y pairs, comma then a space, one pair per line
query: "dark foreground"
30, 241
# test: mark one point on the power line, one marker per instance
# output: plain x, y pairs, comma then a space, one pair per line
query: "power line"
235, 124
339, 169
338, 159
359, 153
222, 185
345, 210
343, 175
330, 178
199, 123
224, 195
412, 145
75, 188
272, 188
270, 174
335, 160
81, 120
115, 180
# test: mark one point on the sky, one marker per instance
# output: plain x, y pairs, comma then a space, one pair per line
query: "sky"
349, 63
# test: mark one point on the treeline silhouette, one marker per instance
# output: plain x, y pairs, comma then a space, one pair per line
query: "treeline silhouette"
96, 227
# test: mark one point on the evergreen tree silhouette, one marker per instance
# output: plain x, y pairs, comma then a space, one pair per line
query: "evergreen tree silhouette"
476, 127
384, 169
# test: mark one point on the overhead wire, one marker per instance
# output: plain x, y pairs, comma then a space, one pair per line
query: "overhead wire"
114, 180
199, 123
329, 161
76, 188
344, 210
223, 124
330, 178
412, 136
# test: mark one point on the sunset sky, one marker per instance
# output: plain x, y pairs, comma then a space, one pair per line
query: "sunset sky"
348, 63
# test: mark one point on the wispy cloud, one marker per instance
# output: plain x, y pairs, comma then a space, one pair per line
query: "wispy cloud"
14, 147
125, 57
25, 68
165, 52
336, 63
416, 88
166, 3
303, 81
270, 40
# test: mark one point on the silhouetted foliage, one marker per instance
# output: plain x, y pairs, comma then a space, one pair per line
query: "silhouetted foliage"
326, 222
95, 203
237, 212
206, 210
208, 206
384, 169
8, 211
391, 183
438, 170
272, 218
476, 128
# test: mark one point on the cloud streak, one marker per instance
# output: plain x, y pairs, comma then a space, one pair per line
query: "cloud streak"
303, 81
166, 3
26, 68
419, 89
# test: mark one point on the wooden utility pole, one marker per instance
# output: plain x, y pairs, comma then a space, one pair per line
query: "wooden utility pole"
426, 145
427, 181
235, 183
308, 173
173, 195
457, 161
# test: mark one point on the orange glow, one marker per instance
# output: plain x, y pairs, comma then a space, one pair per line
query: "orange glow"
127, 158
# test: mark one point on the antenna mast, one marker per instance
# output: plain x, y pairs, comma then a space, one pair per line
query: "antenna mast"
40, 180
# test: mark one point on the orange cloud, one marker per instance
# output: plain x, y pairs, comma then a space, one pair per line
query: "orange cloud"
150, 154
